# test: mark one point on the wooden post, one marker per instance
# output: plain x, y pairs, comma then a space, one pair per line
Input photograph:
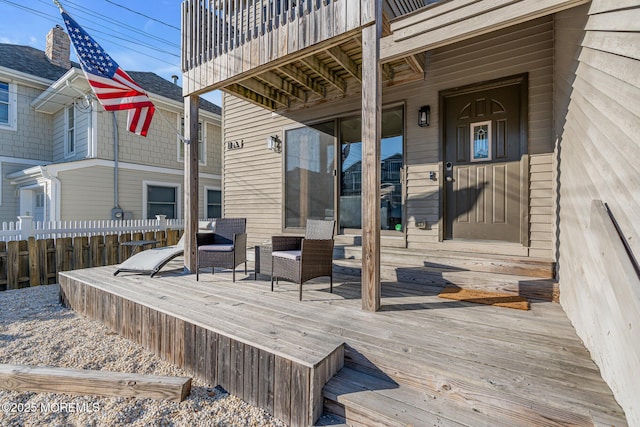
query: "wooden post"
4, 267
111, 249
80, 252
172, 237
82, 382
191, 106
125, 251
96, 257
43, 260
371, 131
64, 254
34, 263
13, 264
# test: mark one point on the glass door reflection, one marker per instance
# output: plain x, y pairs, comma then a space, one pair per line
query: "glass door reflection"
391, 173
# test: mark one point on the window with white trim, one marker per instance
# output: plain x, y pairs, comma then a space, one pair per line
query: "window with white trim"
8, 106
70, 133
214, 203
202, 151
161, 200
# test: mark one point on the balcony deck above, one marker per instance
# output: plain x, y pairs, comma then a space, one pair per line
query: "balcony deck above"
285, 53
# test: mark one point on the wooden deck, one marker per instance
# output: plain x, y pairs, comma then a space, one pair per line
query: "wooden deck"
421, 360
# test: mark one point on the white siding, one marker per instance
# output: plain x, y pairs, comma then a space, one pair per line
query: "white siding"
598, 122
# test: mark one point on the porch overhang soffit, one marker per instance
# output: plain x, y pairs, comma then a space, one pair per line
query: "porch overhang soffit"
320, 75
444, 23
63, 91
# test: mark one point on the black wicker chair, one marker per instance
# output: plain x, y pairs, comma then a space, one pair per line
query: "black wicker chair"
226, 247
300, 259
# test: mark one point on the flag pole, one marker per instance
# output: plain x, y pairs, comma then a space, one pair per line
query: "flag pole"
152, 109
182, 138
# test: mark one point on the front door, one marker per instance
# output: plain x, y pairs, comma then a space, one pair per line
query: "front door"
484, 140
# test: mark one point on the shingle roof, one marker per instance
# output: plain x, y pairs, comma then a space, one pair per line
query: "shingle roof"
151, 82
30, 60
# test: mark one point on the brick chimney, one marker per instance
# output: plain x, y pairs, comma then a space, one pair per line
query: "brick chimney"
58, 46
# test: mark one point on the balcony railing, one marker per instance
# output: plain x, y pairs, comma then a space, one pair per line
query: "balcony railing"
213, 27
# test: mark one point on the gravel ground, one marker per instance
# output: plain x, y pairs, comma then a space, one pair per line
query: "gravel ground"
36, 330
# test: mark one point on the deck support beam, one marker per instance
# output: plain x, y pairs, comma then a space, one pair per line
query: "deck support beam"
345, 62
371, 131
191, 107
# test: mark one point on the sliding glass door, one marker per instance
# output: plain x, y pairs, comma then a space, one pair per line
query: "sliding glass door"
391, 165
310, 173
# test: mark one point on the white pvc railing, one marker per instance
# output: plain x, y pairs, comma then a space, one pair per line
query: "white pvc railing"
25, 227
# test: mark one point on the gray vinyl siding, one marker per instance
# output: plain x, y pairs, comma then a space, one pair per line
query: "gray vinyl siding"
32, 137
598, 123
87, 193
253, 174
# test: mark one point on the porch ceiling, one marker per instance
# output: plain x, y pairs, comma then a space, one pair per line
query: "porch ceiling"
326, 74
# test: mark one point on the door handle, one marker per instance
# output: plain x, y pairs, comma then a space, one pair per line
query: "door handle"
449, 179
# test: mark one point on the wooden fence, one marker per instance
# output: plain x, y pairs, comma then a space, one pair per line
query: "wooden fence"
32, 262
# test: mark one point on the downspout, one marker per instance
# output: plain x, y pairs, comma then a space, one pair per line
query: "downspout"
116, 212
54, 194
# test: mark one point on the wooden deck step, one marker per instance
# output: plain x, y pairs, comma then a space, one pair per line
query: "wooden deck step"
332, 420
456, 261
526, 286
367, 400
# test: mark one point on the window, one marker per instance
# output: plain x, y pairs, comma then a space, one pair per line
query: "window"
202, 153
70, 136
162, 200
309, 168
480, 141
39, 200
8, 109
214, 204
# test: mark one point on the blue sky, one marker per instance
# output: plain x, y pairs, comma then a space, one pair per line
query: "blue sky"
139, 35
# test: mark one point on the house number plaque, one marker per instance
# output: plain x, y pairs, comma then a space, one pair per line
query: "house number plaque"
235, 145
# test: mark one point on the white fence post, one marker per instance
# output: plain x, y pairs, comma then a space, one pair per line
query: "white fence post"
26, 227
162, 222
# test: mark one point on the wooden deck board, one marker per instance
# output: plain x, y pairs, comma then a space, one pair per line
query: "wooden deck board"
515, 366
493, 353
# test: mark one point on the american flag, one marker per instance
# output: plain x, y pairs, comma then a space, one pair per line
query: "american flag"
111, 84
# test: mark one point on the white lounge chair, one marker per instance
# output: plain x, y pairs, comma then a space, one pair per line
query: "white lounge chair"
152, 260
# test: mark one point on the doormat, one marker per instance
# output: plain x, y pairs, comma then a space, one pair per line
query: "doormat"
485, 297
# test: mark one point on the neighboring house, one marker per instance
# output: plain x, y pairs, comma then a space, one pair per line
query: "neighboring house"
58, 145
515, 120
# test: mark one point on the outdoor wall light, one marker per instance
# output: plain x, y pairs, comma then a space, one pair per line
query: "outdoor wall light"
424, 116
274, 144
